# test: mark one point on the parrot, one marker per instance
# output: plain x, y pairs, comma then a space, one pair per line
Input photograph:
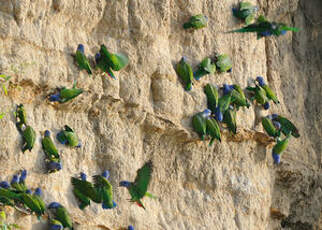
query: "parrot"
265, 28
230, 119
21, 117
196, 22
82, 60
260, 96
212, 96
238, 97
286, 125
53, 166
61, 214
69, 137
104, 190
37, 196
7, 196
270, 128
17, 184
103, 65
206, 67
130, 227
31, 202
139, 187
213, 130
55, 225
29, 138
223, 63
115, 61
199, 125
223, 105
65, 95
78, 188
279, 147
184, 71
269, 93
245, 11
49, 147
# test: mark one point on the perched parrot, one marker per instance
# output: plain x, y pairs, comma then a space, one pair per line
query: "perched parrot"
213, 130
264, 28
82, 60
245, 11
238, 97
223, 104
17, 184
259, 95
270, 128
61, 215
29, 138
21, 117
139, 187
199, 125
196, 22
286, 125
223, 63
279, 147
55, 225
104, 190
212, 97
37, 196
50, 148
269, 93
230, 120
115, 61
53, 166
68, 137
7, 196
32, 203
103, 65
205, 67
65, 95
184, 71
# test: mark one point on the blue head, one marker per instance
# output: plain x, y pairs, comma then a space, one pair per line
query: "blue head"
218, 114
4, 184
83, 176
276, 158
47, 133
81, 48
54, 166
227, 88
38, 192
277, 125
266, 106
260, 81
23, 176
130, 227
274, 116
54, 205
15, 179
125, 184
97, 57
234, 10
206, 113
104, 206
28, 191
106, 174
283, 32
266, 33
56, 227
54, 97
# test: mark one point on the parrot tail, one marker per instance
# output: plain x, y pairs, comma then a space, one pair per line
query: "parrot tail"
189, 87
187, 25
211, 141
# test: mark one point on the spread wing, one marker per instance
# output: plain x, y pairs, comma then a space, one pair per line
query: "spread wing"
143, 178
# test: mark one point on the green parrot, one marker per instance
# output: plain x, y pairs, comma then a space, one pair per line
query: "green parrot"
69, 137
270, 128
196, 22
264, 28
37, 197
7, 196
65, 95
104, 190
32, 203
138, 188
19, 183
259, 95
21, 117
224, 102
50, 148
115, 61
82, 60
269, 93
61, 214
205, 67
55, 224
238, 97
223, 63
279, 147
230, 120
103, 65
29, 138
184, 71
245, 11
199, 125
286, 125
212, 96
213, 130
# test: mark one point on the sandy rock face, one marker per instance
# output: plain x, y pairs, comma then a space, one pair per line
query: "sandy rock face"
146, 114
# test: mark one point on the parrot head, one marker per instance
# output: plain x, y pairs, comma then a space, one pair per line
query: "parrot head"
266, 106
80, 48
260, 81
206, 113
218, 114
234, 9
38, 192
107, 206
47, 133
54, 97
125, 184
15, 179
266, 33
106, 174
227, 88
83, 176
274, 116
28, 191
283, 32
130, 227
97, 57
4, 184
54, 166
277, 125
56, 227
54, 205
276, 158
23, 176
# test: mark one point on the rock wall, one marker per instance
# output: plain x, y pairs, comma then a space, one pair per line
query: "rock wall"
145, 113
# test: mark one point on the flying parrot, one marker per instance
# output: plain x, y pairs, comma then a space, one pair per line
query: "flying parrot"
82, 60
115, 61
103, 65
65, 95
55, 225
139, 187
213, 130
269, 93
21, 117
206, 67
50, 148
245, 11
223, 63
184, 71
263, 28
286, 125
259, 95
61, 214
68, 137
196, 22
230, 119
270, 128
223, 104
29, 138
212, 97
104, 190
279, 147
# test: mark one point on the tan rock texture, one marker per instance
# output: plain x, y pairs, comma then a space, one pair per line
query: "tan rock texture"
146, 114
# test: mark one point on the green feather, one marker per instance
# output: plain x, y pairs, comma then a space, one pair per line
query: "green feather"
62, 215
196, 22
142, 179
224, 102
213, 130
269, 127
69, 94
50, 149
184, 71
270, 94
104, 189
199, 125
280, 146
212, 96
83, 62
223, 63
287, 126
29, 137
230, 120
115, 61
84, 201
31, 203
87, 189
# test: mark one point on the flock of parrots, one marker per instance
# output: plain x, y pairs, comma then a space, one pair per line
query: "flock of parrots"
221, 112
